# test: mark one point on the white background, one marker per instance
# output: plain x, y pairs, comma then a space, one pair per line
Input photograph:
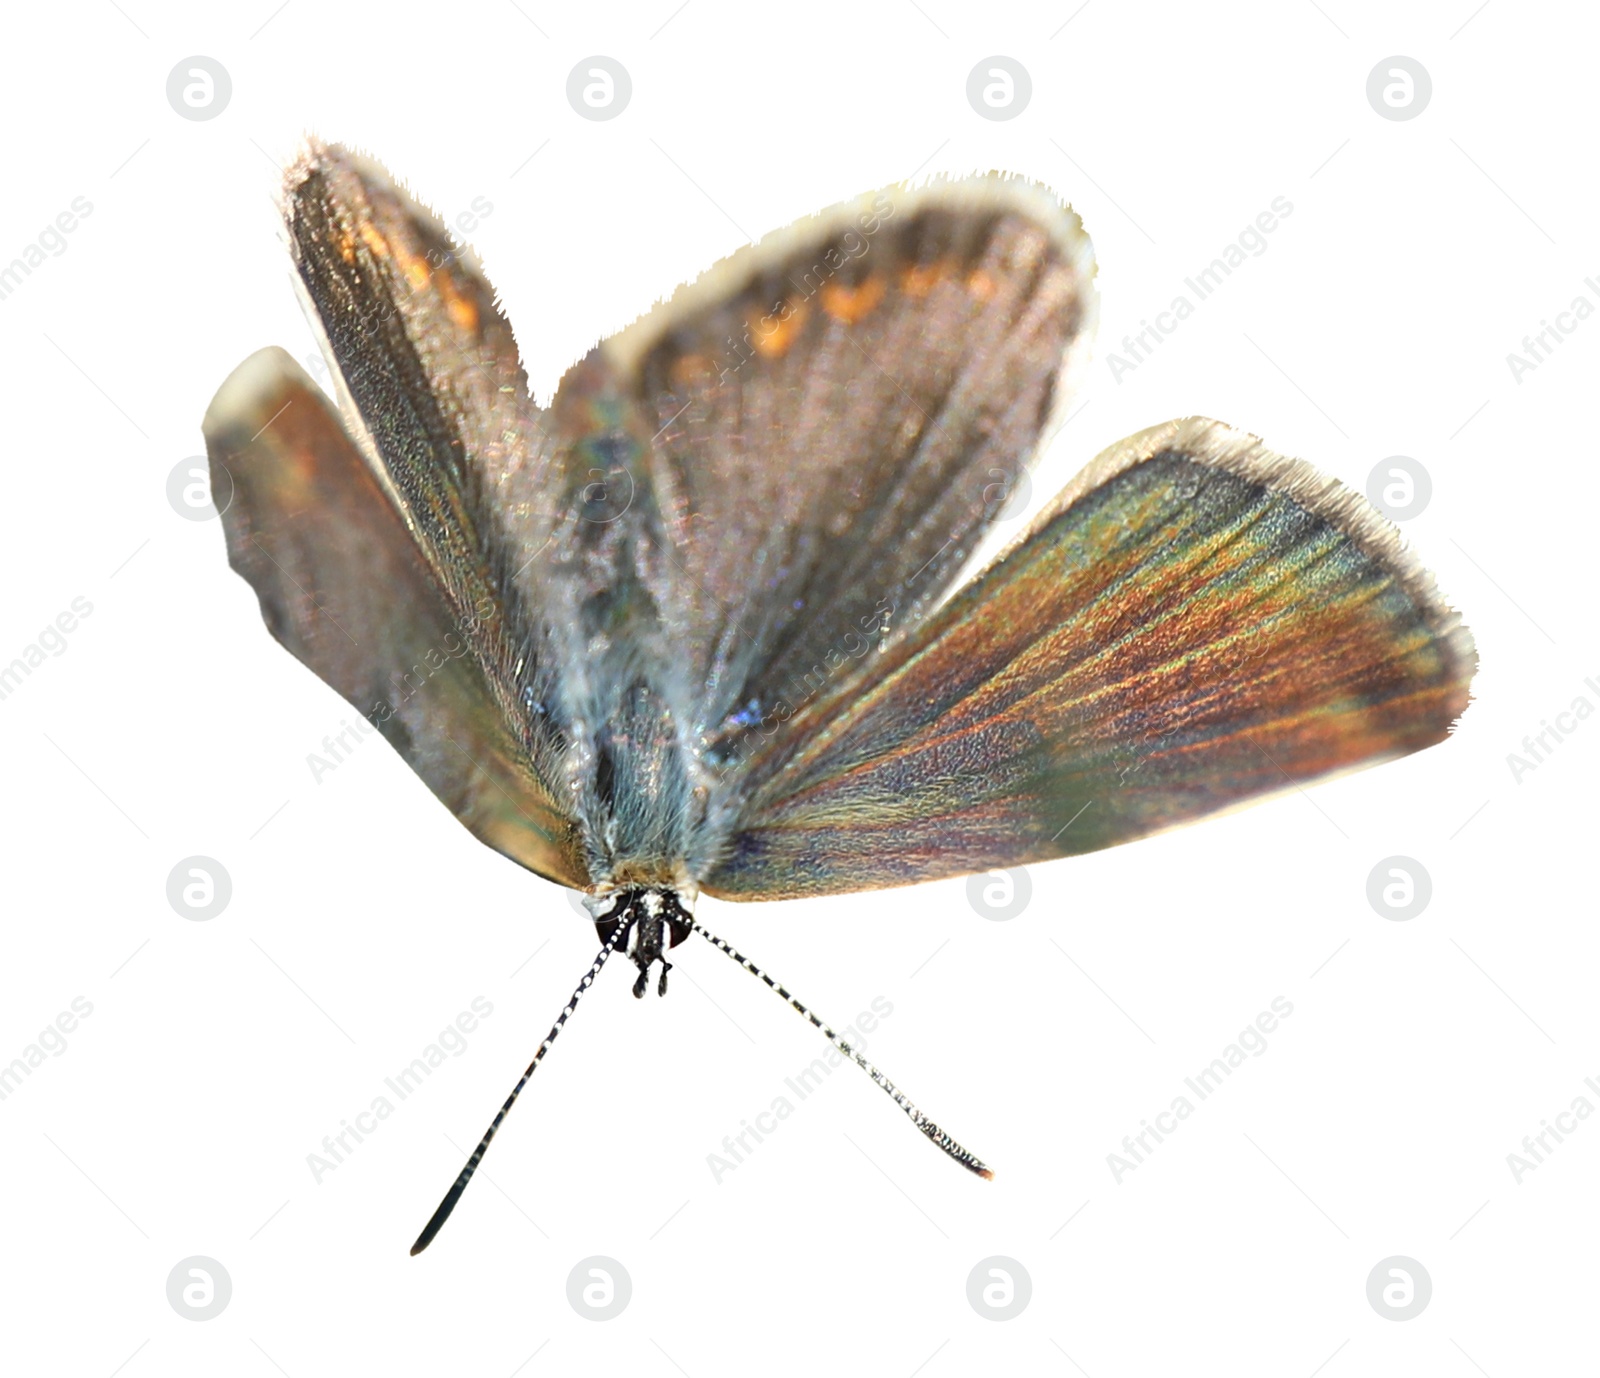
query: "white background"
363, 919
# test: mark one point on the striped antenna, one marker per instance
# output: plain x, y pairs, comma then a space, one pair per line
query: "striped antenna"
454, 1194
922, 1122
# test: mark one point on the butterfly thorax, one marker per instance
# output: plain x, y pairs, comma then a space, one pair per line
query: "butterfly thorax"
639, 795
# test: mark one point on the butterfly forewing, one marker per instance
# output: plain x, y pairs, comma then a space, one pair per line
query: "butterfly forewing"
1193, 624
837, 416
422, 351
437, 398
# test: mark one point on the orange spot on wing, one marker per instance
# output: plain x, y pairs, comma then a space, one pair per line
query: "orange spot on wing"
980, 284
850, 304
416, 270
414, 267
463, 310
918, 279
773, 333
373, 238
346, 245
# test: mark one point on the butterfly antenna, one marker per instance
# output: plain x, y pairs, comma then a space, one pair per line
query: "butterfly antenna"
454, 1194
967, 1160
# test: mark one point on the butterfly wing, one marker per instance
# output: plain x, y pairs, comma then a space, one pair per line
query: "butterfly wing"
432, 388
1194, 623
380, 544
836, 416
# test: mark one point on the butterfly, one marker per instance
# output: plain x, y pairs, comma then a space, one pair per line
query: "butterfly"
691, 627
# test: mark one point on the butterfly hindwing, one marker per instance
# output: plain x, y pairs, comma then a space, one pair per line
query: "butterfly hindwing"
345, 588
1194, 623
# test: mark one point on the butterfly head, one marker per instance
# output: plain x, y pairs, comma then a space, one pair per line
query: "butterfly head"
654, 919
